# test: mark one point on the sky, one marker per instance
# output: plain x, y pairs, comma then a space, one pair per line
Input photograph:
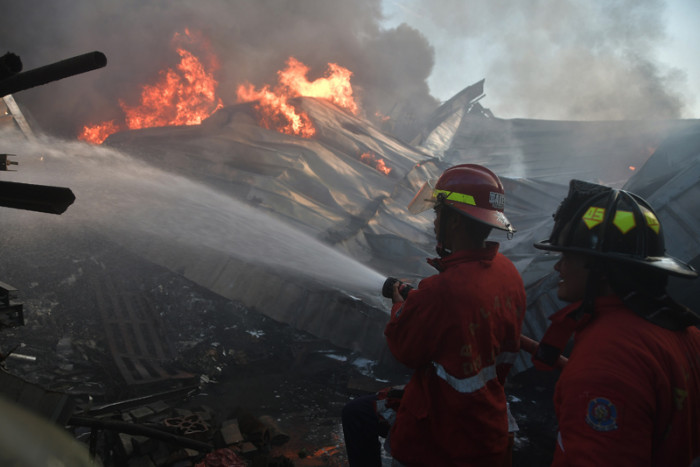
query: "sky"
553, 48
540, 59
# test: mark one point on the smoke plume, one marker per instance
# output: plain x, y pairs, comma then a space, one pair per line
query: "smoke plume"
567, 59
252, 41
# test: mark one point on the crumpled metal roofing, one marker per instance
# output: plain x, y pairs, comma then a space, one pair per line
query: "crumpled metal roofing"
536, 159
321, 186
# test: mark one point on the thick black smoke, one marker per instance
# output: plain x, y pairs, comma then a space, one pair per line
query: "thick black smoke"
252, 40
567, 59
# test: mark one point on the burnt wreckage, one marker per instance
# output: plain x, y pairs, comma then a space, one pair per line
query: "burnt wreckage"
41, 425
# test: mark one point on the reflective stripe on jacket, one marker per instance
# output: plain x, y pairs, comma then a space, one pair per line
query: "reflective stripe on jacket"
479, 380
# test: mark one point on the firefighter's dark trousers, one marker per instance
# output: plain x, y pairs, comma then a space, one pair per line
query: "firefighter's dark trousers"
361, 431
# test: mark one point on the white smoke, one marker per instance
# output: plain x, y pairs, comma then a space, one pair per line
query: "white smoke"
561, 60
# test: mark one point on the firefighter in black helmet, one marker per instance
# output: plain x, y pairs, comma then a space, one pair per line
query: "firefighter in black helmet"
630, 393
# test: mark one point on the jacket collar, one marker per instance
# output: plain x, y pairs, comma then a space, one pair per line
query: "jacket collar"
564, 323
601, 304
482, 254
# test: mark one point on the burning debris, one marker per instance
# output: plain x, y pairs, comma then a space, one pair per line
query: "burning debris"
277, 113
376, 162
185, 95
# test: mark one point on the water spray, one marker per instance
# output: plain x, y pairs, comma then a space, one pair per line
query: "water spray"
129, 200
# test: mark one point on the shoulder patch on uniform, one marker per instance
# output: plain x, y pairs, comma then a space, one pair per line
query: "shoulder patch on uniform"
602, 414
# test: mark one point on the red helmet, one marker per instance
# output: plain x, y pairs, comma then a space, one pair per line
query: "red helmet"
471, 189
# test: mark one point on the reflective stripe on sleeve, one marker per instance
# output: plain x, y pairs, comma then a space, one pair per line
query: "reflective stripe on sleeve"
479, 380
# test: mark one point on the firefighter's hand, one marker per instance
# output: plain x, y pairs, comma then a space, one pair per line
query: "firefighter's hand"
396, 296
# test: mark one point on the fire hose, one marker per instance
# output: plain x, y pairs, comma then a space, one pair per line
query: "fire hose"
530, 346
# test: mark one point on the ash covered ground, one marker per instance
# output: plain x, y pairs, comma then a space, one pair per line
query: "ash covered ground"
244, 361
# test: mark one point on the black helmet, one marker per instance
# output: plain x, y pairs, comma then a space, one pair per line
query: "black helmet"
612, 224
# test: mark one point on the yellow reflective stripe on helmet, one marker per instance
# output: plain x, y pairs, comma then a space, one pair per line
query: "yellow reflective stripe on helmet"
593, 216
454, 196
624, 220
651, 219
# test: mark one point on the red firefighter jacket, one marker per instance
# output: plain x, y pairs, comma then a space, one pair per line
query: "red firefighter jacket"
460, 332
630, 393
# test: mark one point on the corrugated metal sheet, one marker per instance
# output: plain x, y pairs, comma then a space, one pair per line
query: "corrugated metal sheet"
670, 182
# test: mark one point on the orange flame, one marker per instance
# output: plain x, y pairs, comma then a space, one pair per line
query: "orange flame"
274, 109
378, 163
326, 451
96, 134
185, 96
381, 116
180, 98
335, 86
275, 113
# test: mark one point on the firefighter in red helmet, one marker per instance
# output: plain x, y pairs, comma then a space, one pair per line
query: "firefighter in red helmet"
459, 330
630, 392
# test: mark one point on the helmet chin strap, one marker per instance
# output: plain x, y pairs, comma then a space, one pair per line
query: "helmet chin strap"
591, 293
441, 250
440, 247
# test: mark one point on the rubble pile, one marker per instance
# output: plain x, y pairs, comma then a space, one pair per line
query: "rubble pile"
158, 433
244, 369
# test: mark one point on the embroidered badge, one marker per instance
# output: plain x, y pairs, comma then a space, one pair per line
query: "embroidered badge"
602, 414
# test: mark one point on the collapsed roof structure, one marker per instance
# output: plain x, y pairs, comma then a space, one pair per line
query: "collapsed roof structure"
303, 230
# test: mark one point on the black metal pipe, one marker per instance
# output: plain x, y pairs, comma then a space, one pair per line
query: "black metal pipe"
10, 64
41, 198
121, 405
53, 72
139, 430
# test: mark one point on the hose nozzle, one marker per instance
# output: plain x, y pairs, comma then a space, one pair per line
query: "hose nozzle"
388, 288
